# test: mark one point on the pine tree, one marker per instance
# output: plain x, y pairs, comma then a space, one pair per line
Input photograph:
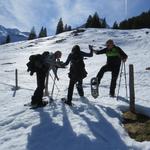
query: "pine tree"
104, 24
88, 23
124, 25
41, 34
66, 27
96, 21
8, 40
32, 34
60, 27
115, 25
69, 28
45, 32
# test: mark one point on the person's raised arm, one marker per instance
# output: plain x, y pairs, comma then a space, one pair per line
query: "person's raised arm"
97, 52
84, 54
67, 60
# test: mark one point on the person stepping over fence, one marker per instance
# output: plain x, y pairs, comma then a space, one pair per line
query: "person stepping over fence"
114, 57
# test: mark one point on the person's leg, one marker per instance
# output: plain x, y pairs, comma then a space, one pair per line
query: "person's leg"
100, 74
115, 73
80, 88
70, 91
38, 94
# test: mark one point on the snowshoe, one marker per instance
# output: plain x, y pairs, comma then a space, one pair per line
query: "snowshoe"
34, 106
94, 87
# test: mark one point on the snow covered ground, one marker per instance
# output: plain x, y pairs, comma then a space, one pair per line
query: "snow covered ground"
91, 124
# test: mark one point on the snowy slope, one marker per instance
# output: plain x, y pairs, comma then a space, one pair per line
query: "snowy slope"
91, 124
15, 34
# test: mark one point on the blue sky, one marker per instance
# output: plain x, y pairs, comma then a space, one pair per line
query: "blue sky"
23, 14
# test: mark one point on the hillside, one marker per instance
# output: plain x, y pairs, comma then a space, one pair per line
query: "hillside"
91, 124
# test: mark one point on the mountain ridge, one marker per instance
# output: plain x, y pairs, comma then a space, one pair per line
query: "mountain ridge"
14, 33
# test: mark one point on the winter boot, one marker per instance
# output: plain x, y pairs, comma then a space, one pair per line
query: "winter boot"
68, 103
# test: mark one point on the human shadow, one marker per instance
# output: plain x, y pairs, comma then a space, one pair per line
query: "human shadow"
74, 141
82, 141
123, 99
48, 135
41, 135
103, 130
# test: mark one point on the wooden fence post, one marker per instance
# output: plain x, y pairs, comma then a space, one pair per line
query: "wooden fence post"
16, 79
131, 88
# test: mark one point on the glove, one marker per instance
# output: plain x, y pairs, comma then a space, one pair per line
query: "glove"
124, 60
91, 47
58, 64
61, 64
95, 51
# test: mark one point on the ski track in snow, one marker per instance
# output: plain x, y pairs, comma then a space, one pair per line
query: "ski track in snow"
91, 124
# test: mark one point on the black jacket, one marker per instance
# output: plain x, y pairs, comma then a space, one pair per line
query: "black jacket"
113, 60
77, 66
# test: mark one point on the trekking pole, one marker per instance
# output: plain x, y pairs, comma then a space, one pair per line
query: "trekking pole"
125, 80
46, 85
120, 79
55, 83
51, 97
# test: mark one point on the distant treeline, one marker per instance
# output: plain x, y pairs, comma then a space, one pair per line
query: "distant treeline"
138, 22
33, 35
92, 22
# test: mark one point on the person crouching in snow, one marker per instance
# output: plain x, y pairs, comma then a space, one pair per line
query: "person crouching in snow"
77, 71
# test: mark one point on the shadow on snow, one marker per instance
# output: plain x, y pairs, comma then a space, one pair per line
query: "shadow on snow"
48, 135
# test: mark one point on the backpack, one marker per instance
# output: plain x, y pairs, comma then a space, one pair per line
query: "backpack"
35, 63
77, 69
